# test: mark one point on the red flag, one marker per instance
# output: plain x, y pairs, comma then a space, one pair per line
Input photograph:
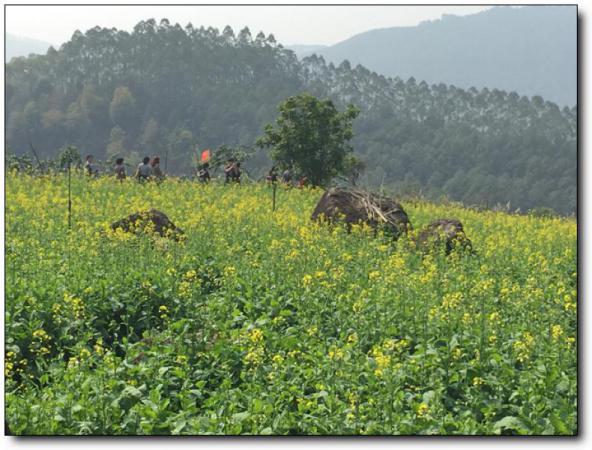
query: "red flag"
205, 155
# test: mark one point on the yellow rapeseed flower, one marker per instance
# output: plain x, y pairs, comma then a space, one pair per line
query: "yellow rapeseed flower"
422, 410
556, 332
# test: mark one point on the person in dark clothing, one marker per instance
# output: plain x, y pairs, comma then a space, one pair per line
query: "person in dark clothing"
287, 176
157, 173
144, 170
232, 171
203, 174
272, 176
89, 167
237, 173
119, 169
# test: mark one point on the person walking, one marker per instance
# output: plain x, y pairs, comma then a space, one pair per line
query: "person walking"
287, 176
89, 167
119, 169
144, 170
229, 168
272, 176
157, 173
237, 173
203, 175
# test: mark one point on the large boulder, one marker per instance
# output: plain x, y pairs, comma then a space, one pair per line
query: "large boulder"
151, 221
447, 233
353, 206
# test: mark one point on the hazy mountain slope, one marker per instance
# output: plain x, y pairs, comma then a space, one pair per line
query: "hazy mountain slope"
24, 46
530, 50
303, 50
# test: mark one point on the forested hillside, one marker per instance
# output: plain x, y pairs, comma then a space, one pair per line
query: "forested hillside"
163, 89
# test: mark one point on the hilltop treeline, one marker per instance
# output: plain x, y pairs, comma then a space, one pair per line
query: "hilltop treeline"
163, 89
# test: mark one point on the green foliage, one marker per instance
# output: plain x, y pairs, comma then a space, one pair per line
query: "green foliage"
69, 156
225, 152
122, 108
311, 137
353, 167
542, 212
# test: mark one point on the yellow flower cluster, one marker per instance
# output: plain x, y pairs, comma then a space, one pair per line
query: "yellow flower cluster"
422, 410
255, 356
556, 332
72, 308
185, 289
256, 347
307, 280
9, 363
98, 347
336, 353
452, 300
190, 275
163, 312
40, 344
523, 348
256, 336
382, 360
373, 275
494, 317
229, 271
478, 381
306, 404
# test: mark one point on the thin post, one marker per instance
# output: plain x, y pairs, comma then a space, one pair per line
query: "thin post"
69, 196
274, 189
35, 153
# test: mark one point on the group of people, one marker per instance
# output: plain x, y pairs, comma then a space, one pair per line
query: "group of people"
148, 169
286, 178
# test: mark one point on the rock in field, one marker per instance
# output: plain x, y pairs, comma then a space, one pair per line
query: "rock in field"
357, 206
444, 232
151, 221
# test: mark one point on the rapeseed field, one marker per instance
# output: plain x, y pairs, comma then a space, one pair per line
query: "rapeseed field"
262, 322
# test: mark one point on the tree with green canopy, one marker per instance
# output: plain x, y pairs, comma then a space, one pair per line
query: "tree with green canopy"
311, 136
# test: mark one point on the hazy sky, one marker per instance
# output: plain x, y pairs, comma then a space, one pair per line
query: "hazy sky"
290, 24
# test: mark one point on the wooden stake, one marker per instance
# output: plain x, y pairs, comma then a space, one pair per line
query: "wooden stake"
69, 196
35, 153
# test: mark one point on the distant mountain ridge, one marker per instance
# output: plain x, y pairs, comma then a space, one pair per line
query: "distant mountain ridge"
530, 50
24, 46
303, 50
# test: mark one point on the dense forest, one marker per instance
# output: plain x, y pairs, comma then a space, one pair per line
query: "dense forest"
164, 89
